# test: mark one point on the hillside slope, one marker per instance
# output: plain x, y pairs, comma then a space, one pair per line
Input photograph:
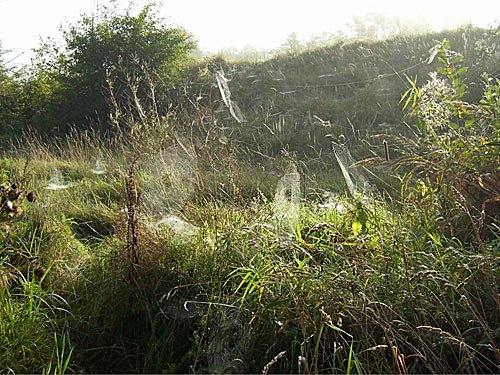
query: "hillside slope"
356, 87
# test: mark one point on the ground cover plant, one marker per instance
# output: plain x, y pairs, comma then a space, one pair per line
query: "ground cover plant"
179, 246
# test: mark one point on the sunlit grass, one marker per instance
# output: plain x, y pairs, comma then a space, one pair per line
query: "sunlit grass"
351, 287
280, 270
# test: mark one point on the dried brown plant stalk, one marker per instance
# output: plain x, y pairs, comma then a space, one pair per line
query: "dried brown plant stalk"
132, 207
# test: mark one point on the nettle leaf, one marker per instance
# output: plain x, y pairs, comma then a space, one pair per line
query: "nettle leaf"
442, 61
360, 222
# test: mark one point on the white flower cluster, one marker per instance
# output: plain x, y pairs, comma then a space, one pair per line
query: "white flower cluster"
435, 99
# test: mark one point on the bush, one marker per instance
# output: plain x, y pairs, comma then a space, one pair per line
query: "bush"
456, 156
108, 50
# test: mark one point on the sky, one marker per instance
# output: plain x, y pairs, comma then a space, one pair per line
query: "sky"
219, 24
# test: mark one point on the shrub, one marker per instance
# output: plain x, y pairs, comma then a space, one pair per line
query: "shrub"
456, 156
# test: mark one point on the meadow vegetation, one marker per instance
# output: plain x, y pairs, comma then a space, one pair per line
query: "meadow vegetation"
190, 234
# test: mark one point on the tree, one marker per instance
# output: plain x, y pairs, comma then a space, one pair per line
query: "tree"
121, 49
12, 101
292, 45
378, 26
2, 62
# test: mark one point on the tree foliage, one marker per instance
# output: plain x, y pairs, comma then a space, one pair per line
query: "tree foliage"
11, 100
107, 50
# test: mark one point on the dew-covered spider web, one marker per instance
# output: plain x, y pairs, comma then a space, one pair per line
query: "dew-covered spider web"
232, 105
57, 181
99, 166
168, 179
287, 199
356, 181
180, 227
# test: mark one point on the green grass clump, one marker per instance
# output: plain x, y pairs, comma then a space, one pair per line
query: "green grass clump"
34, 259
354, 285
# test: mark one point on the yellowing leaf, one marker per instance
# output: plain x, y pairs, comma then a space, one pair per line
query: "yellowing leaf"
357, 227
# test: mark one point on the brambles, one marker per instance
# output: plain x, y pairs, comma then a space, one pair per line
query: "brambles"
11, 196
31, 197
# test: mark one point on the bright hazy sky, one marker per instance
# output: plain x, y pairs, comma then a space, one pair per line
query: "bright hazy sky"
217, 24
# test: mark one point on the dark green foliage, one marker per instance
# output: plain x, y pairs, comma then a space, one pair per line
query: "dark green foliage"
13, 100
11, 113
106, 53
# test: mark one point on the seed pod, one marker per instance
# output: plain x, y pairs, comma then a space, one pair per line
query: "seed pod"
13, 194
386, 150
31, 197
39, 271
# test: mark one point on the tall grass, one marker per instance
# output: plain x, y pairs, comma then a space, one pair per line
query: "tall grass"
90, 282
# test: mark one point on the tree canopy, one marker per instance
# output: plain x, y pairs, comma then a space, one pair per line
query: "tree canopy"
102, 51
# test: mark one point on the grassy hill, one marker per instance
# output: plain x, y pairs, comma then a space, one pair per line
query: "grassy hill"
356, 86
